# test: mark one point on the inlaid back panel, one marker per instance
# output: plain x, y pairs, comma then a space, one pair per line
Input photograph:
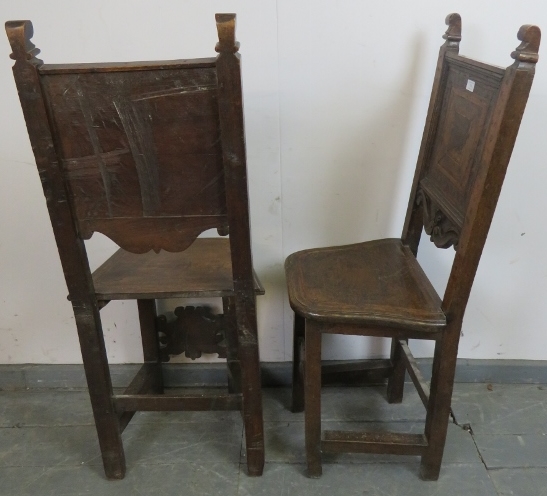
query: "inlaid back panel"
141, 152
467, 103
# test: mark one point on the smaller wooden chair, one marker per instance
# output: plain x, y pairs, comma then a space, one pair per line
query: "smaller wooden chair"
378, 288
150, 154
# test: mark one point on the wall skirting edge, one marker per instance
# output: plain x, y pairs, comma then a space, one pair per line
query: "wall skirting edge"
36, 376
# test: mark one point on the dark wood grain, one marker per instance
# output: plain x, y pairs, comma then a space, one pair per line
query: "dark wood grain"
196, 330
150, 154
297, 404
396, 379
140, 150
150, 342
500, 138
237, 201
415, 374
70, 245
127, 66
312, 395
378, 283
391, 443
234, 364
357, 372
413, 226
203, 270
377, 288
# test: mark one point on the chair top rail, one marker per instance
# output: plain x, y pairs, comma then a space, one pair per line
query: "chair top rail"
51, 69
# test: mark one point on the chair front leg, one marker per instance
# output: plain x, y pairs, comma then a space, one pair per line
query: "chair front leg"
396, 381
312, 398
297, 364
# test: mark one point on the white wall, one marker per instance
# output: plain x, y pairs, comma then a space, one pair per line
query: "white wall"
335, 99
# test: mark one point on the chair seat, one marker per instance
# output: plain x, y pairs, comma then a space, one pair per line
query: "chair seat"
377, 283
202, 270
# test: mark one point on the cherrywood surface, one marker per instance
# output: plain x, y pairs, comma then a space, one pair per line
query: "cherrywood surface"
377, 288
150, 154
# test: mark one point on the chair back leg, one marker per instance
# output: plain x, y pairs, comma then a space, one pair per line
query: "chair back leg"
245, 311
100, 391
396, 380
150, 341
232, 358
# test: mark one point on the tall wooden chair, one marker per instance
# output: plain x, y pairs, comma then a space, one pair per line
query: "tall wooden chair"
150, 154
378, 288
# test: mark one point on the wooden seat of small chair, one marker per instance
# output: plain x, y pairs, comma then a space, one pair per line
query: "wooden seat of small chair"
202, 270
378, 283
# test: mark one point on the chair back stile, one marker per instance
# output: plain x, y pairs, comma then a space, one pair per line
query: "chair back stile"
414, 223
237, 199
27, 80
71, 247
234, 152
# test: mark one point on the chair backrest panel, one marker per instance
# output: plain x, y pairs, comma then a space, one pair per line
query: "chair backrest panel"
468, 98
143, 144
473, 119
151, 154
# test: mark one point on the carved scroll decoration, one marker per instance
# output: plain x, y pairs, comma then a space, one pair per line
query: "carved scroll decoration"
442, 231
142, 234
527, 51
196, 330
453, 34
19, 35
226, 28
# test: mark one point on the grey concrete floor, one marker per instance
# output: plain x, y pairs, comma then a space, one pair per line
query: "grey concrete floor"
497, 445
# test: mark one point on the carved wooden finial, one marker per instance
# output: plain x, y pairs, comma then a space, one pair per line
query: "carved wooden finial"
226, 27
527, 51
453, 34
19, 35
